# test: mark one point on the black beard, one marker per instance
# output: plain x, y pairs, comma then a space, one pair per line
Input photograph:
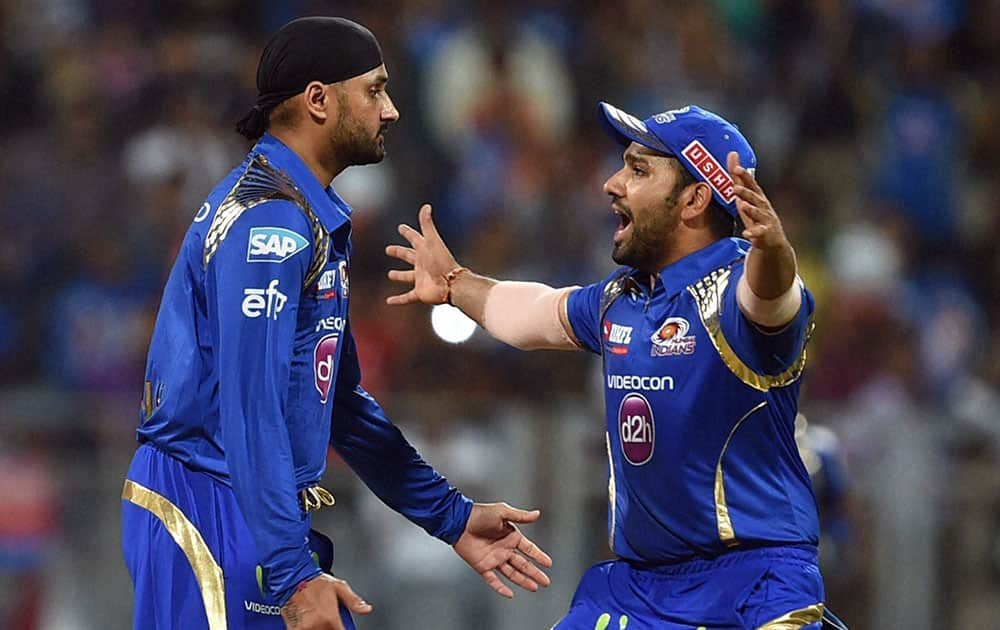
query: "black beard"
353, 145
647, 245
357, 150
637, 254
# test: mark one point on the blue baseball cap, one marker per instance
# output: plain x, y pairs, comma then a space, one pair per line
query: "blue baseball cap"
699, 139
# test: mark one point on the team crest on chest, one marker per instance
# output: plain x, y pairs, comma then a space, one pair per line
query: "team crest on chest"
671, 339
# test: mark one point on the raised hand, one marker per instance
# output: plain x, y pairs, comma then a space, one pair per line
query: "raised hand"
762, 226
431, 261
492, 543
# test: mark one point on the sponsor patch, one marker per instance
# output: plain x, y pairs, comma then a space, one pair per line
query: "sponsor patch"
636, 429
261, 609
323, 359
274, 244
617, 337
671, 339
330, 323
345, 285
714, 173
267, 302
326, 285
644, 383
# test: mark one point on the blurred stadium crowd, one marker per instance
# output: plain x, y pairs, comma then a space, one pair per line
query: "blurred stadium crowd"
877, 127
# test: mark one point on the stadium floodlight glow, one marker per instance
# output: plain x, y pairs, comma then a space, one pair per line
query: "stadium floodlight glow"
451, 324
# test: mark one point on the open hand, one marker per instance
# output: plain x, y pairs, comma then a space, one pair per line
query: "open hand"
762, 226
492, 543
431, 260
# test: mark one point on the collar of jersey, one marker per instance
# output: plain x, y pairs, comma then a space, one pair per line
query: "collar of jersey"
679, 275
329, 207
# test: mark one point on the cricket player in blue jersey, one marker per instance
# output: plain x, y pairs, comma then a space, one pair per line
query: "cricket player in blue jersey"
253, 371
711, 516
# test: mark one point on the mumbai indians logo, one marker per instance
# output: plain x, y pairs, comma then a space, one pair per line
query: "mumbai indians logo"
671, 338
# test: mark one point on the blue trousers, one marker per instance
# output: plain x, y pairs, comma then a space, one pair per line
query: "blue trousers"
777, 588
192, 559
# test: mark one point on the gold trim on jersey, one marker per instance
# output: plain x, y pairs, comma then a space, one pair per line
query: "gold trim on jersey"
262, 182
796, 619
315, 497
722, 520
707, 294
207, 571
147, 398
611, 491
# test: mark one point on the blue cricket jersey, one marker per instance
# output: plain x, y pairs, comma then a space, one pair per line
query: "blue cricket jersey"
252, 368
700, 410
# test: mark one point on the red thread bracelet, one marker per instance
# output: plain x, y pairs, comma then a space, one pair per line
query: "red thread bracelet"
449, 278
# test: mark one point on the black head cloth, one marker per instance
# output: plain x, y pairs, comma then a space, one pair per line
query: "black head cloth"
325, 49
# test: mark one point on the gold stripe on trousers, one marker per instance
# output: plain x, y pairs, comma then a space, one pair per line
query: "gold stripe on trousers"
207, 571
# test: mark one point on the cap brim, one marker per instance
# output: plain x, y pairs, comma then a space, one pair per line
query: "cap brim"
626, 128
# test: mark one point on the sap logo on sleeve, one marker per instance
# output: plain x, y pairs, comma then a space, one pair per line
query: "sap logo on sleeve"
267, 302
274, 244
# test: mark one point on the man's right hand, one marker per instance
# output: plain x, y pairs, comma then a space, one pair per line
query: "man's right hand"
316, 604
431, 260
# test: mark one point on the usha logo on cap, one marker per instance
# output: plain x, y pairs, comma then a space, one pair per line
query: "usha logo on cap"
713, 172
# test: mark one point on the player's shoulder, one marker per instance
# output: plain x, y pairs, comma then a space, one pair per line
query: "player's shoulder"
609, 284
272, 230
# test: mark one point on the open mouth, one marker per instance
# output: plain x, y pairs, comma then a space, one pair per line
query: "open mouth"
624, 222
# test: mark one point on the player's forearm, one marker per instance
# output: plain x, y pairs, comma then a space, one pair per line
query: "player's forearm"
469, 292
526, 315
388, 464
770, 272
767, 292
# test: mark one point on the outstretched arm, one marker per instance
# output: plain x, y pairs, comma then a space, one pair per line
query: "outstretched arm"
526, 315
485, 535
768, 293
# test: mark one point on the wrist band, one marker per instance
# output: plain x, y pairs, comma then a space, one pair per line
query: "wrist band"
449, 278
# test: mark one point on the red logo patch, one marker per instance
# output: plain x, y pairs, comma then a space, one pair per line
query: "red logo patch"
715, 174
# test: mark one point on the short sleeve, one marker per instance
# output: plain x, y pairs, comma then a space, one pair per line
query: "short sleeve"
583, 309
765, 352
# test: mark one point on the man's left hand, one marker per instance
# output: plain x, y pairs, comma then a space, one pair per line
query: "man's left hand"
492, 543
762, 226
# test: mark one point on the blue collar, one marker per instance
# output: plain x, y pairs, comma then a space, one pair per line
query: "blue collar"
677, 276
329, 207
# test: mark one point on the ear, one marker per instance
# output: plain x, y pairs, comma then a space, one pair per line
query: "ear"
695, 200
318, 100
